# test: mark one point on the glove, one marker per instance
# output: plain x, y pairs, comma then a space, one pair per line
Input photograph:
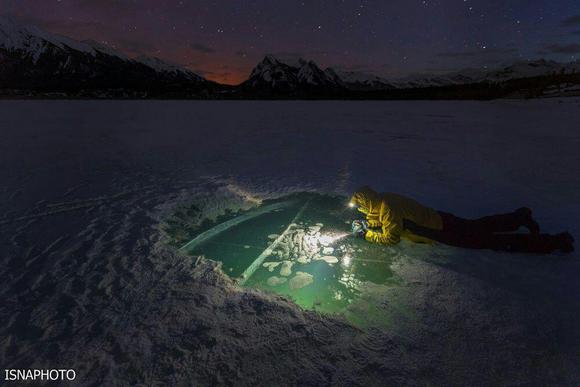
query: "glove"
365, 225
359, 228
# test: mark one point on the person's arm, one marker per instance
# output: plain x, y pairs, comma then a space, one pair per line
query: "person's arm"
373, 222
391, 229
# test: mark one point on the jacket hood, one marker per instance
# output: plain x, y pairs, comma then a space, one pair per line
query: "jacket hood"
363, 199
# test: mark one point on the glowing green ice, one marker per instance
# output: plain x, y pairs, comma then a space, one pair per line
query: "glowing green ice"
306, 253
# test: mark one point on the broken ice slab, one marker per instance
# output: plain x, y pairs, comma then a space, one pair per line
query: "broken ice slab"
327, 250
300, 280
286, 269
276, 281
327, 258
271, 265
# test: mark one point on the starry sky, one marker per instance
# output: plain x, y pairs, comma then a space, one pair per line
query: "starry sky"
223, 39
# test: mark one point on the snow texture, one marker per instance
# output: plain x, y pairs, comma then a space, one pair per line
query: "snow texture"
89, 283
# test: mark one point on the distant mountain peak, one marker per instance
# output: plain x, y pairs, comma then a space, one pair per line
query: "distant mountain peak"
34, 58
269, 58
283, 75
33, 41
363, 81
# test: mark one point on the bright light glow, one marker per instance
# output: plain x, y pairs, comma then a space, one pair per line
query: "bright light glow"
329, 239
351, 204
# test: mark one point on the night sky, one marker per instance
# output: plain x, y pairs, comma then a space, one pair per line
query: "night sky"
223, 40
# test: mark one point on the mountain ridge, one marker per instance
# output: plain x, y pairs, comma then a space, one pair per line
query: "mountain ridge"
33, 58
37, 61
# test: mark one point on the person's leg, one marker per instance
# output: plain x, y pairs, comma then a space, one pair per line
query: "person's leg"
454, 224
456, 231
470, 234
522, 243
510, 222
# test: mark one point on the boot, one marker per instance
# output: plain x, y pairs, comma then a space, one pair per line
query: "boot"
525, 218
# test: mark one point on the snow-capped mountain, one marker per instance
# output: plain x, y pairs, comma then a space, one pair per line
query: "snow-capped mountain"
518, 70
277, 75
35, 62
363, 81
283, 75
530, 69
33, 58
437, 80
162, 66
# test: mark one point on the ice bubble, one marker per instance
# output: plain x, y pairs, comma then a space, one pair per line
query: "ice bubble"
300, 280
246, 247
273, 236
275, 281
286, 269
271, 265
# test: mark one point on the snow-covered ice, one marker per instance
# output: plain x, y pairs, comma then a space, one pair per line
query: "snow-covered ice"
88, 281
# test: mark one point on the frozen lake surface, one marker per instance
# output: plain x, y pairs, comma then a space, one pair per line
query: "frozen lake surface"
89, 282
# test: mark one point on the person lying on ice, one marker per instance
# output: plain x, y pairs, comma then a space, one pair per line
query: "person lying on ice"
401, 217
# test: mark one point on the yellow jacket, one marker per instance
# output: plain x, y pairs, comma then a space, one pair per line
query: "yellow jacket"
388, 210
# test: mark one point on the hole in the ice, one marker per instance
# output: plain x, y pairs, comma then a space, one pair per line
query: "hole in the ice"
299, 246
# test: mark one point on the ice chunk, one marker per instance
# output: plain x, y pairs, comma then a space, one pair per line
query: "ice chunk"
271, 265
328, 258
327, 250
320, 225
246, 247
302, 259
275, 281
300, 280
286, 269
273, 236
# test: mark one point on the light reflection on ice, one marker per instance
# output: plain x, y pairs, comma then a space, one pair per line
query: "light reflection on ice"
301, 245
